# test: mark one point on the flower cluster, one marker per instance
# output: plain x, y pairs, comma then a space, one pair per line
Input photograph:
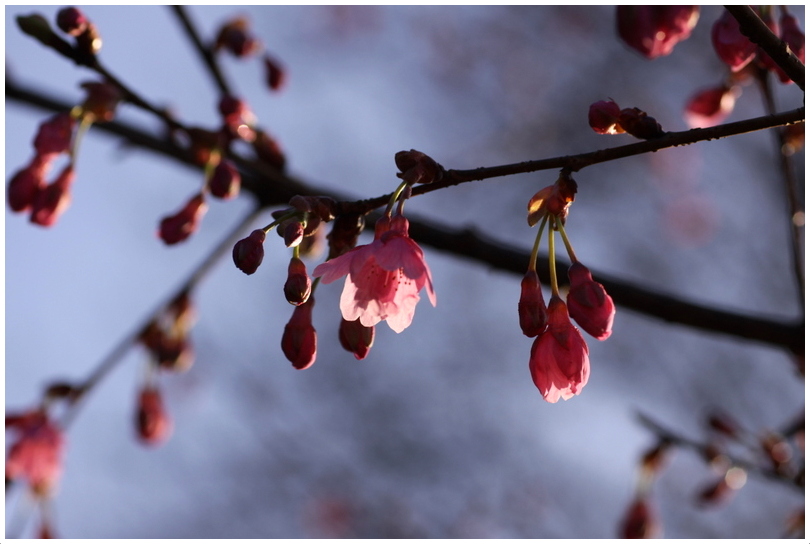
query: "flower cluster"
559, 362
235, 37
36, 455
654, 31
605, 117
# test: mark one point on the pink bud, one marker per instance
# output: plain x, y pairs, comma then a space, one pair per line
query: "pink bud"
298, 285
27, 183
639, 522
176, 228
729, 43
300, 341
275, 74
531, 307
53, 199
225, 181
36, 456
654, 31
71, 21
603, 116
588, 303
152, 421
791, 33
709, 107
54, 135
559, 358
293, 233
356, 338
249, 252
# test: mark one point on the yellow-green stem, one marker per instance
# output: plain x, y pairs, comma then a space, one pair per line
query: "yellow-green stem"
536, 247
552, 265
84, 125
565, 240
280, 220
296, 252
394, 197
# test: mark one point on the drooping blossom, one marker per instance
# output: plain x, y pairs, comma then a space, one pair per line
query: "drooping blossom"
730, 44
152, 421
36, 456
176, 228
532, 311
603, 117
298, 286
225, 181
559, 358
248, 253
356, 338
589, 304
709, 107
54, 135
383, 278
26, 184
300, 340
654, 31
640, 521
53, 199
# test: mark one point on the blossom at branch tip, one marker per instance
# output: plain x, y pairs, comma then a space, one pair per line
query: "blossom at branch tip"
36, 456
383, 278
589, 304
559, 358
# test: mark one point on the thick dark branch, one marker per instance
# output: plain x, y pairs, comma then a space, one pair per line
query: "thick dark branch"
272, 187
755, 29
204, 52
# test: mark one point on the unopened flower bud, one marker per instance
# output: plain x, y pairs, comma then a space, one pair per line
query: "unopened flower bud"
176, 228
345, 231
152, 421
531, 307
300, 341
356, 338
589, 304
321, 207
225, 181
54, 135
640, 521
275, 74
603, 117
102, 100
639, 124
26, 184
53, 199
654, 31
71, 21
298, 286
36, 26
710, 107
268, 151
416, 167
249, 252
730, 44
293, 233
89, 41
234, 37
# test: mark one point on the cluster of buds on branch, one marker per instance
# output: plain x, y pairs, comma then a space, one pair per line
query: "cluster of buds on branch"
559, 361
236, 38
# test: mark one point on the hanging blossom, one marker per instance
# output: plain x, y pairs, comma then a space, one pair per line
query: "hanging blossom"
383, 278
36, 456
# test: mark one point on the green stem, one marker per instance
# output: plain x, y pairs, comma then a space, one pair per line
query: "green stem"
84, 126
536, 247
565, 239
552, 264
280, 220
394, 197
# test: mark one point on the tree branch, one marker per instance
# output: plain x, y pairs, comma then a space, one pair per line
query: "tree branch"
271, 187
204, 52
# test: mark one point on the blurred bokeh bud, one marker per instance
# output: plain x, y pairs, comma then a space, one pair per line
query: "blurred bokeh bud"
654, 31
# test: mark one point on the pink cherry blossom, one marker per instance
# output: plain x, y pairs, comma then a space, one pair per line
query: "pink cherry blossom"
589, 304
37, 454
559, 359
383, 278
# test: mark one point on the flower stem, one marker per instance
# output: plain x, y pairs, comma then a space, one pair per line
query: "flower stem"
567, 242
552, 264
280, 220
536, 247
394, 197
84, 124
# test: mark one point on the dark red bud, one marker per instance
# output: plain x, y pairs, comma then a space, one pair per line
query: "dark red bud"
532, 310
248, 253
639, 124
298, 285
356, 338
176, 228
71, 21
416, 167
152, 421
225, 181
268, 151
300, 341
274, 73
603, 117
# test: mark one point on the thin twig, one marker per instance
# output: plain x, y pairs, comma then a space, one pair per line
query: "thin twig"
116, 355
272, 187
205, 52
791, 188
755, 29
